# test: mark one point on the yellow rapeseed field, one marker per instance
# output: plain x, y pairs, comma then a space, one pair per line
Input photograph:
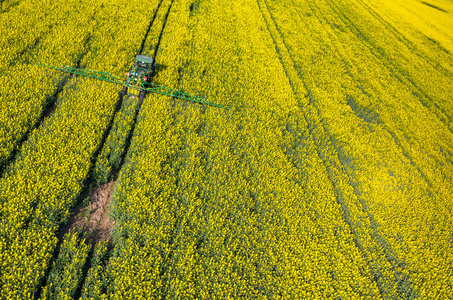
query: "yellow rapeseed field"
331, 177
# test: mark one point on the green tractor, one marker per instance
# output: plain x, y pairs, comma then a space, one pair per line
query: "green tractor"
139, 76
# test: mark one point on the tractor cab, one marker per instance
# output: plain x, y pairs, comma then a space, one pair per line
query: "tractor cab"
139, 75
141, 69
143, 63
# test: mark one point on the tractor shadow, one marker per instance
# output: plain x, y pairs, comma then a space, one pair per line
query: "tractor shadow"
159, 68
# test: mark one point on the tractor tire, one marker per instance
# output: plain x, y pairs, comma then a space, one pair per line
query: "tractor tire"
123, 92
142, 95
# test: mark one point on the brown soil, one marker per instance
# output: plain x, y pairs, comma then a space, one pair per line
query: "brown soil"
94, 218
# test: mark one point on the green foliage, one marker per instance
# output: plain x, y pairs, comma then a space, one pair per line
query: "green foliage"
66, 272
112, 153
102, 170
95, 283
86, 201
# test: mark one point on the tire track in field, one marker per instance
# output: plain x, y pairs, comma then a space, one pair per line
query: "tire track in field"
142, 47
396, 73
393, 68
161, 33
50, 104
87, 186
402, 38
47, 110
137, 111
335, 168
395, 138
400, 75
149, 27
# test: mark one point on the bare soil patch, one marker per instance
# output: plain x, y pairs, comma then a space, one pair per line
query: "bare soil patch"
94, 218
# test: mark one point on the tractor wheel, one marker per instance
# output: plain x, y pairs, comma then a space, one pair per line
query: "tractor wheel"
123, 91
142, 95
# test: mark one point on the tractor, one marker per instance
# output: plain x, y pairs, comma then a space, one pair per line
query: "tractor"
137, 81
139, 75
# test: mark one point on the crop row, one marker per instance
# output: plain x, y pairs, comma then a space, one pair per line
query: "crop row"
66, 273
40, 188
95, 283
354, 213
114, 148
